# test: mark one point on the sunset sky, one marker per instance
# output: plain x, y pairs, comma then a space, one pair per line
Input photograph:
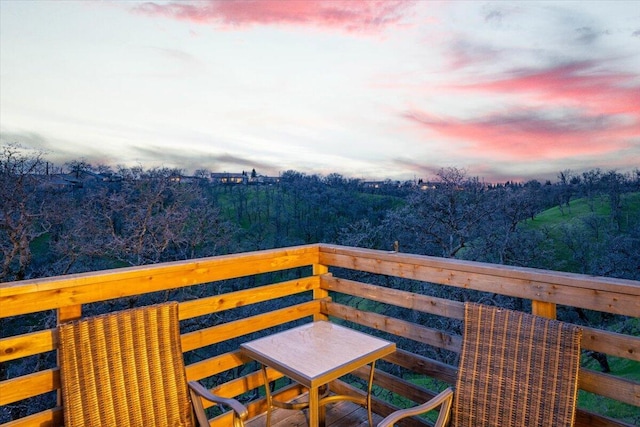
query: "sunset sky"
367, 89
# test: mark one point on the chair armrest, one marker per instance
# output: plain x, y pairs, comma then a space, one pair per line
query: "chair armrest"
444, 398
237, 407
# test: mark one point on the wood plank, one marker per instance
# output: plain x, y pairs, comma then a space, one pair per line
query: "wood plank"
424, 365
585, 418
348, 256
396, 385
69, 292
287, 393
612, 343
226, 331
215, 304
318, 270
410, 300
394, 326
30, 385
610, 295
544, 309
30, 296
29, 344
68, 313
49, 418
339, 414
617, 388
215, 365
615, 344
39, 342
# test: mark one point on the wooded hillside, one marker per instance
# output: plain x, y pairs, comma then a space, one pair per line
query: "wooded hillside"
86, 218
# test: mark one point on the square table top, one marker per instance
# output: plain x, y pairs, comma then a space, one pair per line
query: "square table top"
318, 352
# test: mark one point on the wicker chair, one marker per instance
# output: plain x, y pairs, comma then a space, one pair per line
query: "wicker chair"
515, 370
126, 369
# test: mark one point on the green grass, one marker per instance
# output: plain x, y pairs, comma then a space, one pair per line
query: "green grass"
254, 197
570, 224
579, 208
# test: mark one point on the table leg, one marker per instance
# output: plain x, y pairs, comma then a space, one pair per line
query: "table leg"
370, 386
322, 410
314, 407
267, 392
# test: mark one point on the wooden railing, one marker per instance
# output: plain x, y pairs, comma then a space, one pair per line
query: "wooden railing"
414, 300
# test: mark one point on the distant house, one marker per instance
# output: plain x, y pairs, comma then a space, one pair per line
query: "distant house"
373, 184
229, 178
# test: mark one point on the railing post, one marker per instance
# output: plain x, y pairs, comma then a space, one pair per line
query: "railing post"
318, 293
68, 313
544, 309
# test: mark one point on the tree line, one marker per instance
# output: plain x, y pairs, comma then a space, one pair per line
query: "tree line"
146, 217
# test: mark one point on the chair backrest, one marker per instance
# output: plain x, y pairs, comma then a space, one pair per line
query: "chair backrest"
516, 369
125, 369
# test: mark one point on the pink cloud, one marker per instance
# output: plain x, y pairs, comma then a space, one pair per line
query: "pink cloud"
532, 135
599, 114
349, 15
576, 84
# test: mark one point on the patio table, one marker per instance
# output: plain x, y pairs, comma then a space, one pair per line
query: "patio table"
315, 354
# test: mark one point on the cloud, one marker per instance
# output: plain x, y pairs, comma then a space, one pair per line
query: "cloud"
531, 134
30, 140
494, 15
55, 150
420, 168
349, 15
464, 52
201, 159
579, 84
587, 35
178, 55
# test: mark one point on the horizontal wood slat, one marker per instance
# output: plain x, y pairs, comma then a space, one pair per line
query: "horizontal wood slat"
28, 344
215, 365
586, 418
424, 366
226, 331
32, 296
49, 418
413, 301
617, 388
450, 266
218, 303
394, 326
610, 295
612, 343
30, 385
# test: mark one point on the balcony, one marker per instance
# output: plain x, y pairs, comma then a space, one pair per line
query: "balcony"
415, 301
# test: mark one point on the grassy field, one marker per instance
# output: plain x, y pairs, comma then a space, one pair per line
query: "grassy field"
580, 208
581, 223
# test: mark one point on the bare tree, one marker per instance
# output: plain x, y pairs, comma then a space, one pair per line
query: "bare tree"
442, 221
143, 221
23, 214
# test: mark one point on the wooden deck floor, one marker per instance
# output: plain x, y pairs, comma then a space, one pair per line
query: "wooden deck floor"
339, 414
